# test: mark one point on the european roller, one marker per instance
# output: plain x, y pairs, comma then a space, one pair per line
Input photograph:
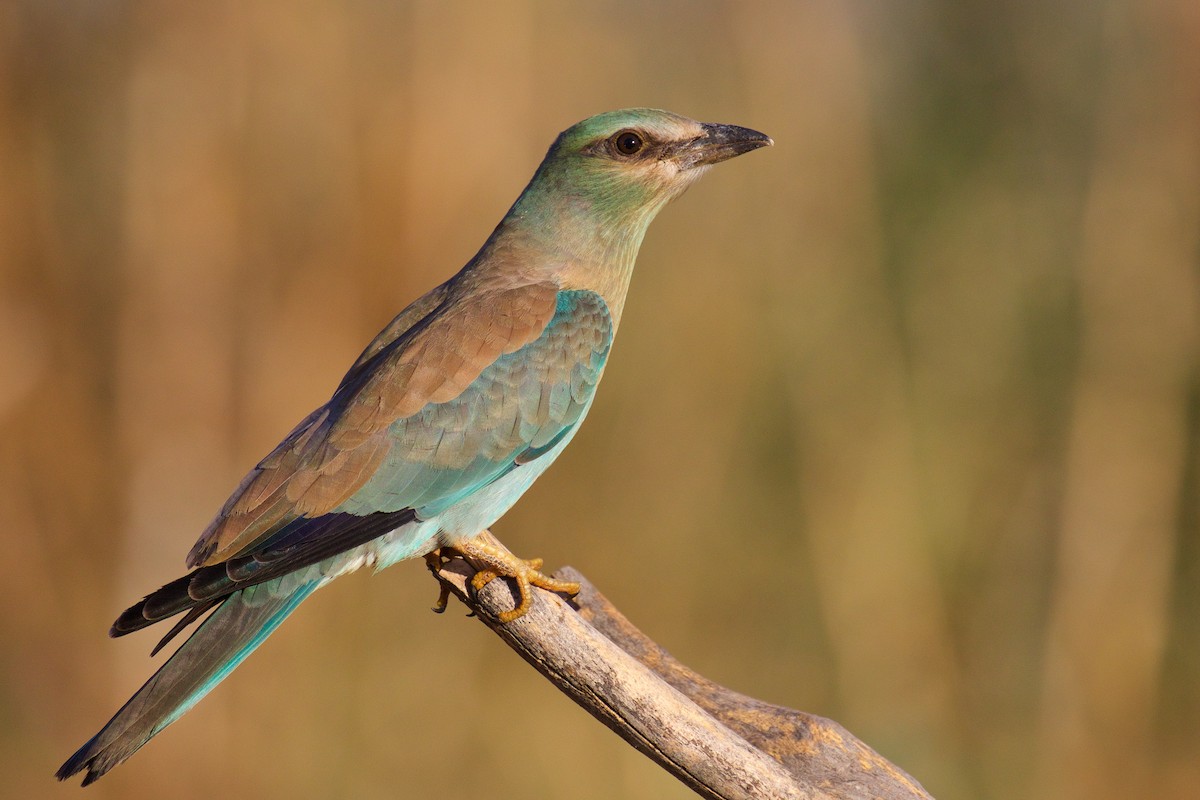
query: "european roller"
442, 423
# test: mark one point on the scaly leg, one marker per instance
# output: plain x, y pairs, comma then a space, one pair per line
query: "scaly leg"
494, 562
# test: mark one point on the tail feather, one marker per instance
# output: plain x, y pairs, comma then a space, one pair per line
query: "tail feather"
239, 625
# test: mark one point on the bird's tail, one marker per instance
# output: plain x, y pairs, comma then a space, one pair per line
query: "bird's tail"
232, 632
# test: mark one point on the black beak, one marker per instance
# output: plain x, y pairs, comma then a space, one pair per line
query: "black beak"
721, 142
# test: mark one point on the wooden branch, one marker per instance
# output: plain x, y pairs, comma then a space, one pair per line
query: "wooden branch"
721, 744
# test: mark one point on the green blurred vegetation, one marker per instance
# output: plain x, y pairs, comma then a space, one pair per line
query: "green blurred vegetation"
902, 426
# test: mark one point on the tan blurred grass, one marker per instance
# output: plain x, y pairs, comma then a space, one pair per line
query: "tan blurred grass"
916, 389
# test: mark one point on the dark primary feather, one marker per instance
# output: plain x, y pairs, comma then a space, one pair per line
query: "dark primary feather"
194, 613
300, 544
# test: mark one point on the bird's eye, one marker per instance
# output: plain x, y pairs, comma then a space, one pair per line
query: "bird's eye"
627, 143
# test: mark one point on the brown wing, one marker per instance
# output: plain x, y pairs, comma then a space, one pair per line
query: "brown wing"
430, 354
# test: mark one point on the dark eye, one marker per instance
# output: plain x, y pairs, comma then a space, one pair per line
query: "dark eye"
628, 143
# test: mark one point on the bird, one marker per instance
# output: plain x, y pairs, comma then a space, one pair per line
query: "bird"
444, 421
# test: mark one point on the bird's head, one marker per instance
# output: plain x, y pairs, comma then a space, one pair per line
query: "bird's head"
625, 163
610, 174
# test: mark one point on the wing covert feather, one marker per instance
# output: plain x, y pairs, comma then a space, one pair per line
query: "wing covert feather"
524, 401
435, 405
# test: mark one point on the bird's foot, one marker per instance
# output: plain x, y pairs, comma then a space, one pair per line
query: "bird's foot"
495, 562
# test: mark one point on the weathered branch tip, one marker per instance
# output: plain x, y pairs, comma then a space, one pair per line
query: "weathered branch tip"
721, 744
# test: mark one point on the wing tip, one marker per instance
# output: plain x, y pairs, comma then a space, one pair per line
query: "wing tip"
130, 620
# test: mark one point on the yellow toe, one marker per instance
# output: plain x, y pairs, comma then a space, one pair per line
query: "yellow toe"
493, 562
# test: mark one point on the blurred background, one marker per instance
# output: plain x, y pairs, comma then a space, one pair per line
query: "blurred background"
902, 426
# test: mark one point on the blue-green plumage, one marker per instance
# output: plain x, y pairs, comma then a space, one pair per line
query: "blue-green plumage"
515, 409
445, 420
